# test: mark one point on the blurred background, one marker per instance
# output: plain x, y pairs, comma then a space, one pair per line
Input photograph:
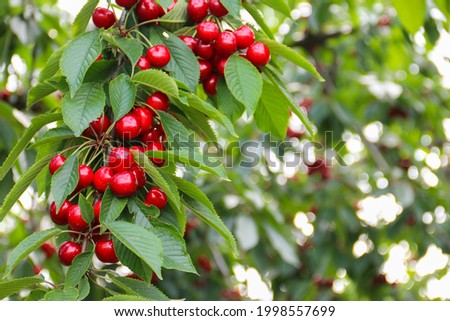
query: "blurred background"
374, 229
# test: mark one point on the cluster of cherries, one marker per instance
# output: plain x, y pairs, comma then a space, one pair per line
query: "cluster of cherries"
140, 132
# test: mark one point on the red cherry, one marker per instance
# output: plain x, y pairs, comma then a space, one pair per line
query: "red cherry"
48, 249
221, 66
68, 251
204, 263
226, 44
258, 54
99, 57
5, 94
97, 208
217, 8
128, 126
86, 177
126, 3
156, 197
56, 163
60, 218
159, 101
145, 117
138, 148
124, 184
160, 127
120, 159
156, 146
172, 5
143, 63
153, 135
205, 50
161, 11
245, 37
191, 42
37, 269
97, 127
210, 85
140, 176
158, 56
147, 10
103, 18
207, 31
205, 69
75, 219
104, 250
102, 178
197, 10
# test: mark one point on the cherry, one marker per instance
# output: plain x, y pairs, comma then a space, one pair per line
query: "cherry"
97, 127
48, 249
172, 5
147, 10
99, 57
191, 42
86, 177
143, 63
226, 44
320, 167
197, 10
124, 184
258, 54
37, 269
204, 263
138, 148
245, 37
210, 85
145, 116
128, 126
207, 31
205, 50
105, 252
153, 135
159, 101
220, 67
158, 56
68, 251
102, 178
156, 197
120, 159
103, 18
217, 8
140, 176
60, 218
156, 146
161, 11
126, 3
205, 69
56, 163
97, 208
75, 219
5, 94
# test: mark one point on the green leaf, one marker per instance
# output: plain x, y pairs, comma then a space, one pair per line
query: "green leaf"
411, 13
11, 287
291, 55
22, 184
183, 64
38, 92
233, 6
78, 269
444, 6
199, 203
36, 124
125, 297
137, 207
54, 135
165, 3
101, 71
272, 113
83, 289
145, 244
226, 102
122, 94
82, 19
111, 208
68, 294
77, 58
157, 80
87, 210
52, 65
140, 289
86, 106
260, 20
65, 180
27, 246
132, 261
130, 47
175, 18
280, 6
244, 82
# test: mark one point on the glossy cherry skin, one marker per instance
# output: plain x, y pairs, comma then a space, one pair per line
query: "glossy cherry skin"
145, 116
210, 85
207, 31
217, 8
205, 69
128, 126
156, 146
245, 37
104, 250
68, 251
120, 159
143, 63
191, 42
97, 208
158, 56
156, 197
159, 101
102, 178
147, 10
97, 127
75, 219
226, 44
103, 18
86, 177
220, 67
56, 163
140, 176
258, 54
60, 217
124, 184
204, 50
126, 3
153, 135
197, 10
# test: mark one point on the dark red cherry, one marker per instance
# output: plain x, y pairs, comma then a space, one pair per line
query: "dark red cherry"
60, 217
258, 54
205, 50
145, 116
158, 56
104, 250
143, 63
120, 159
159, 101
156, 146
126, 3
97, 127
128, 126
147, 10
68, 251
103, 18
205, 69
124, 184
210, 85
156, 197
217, 8
197, 10
56, 163
245, 37
102, 178
191, 42
207, 31
75, 219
